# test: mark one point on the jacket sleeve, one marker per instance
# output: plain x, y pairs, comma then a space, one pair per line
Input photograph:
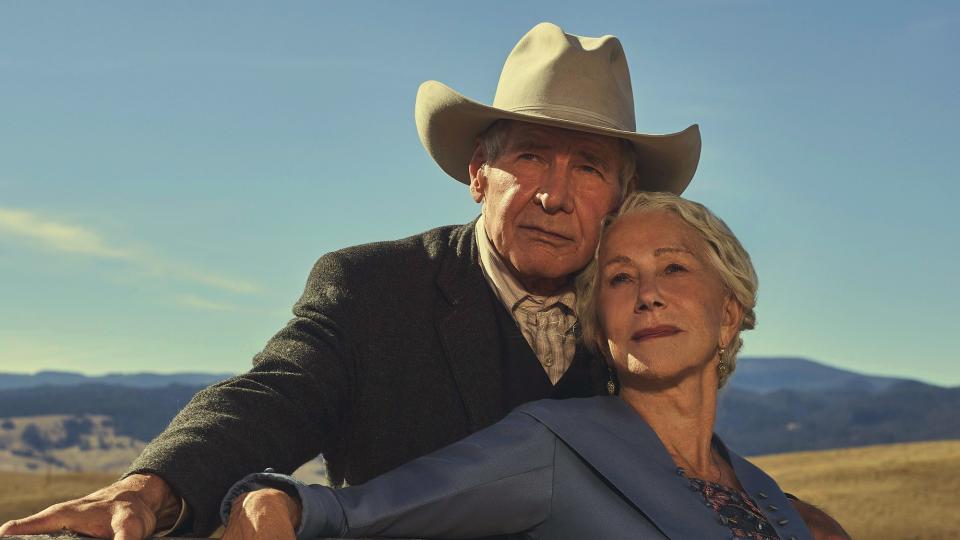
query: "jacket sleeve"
496, 481
290, 407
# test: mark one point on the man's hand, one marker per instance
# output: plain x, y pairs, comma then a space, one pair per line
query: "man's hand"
263, 514
820, 524
128, 509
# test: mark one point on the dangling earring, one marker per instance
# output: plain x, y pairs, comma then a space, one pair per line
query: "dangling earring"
611, 386
723, 367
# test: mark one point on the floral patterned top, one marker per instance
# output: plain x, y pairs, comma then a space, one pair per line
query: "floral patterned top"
736, 510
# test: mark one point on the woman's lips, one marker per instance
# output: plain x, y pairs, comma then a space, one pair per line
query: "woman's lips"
655, 332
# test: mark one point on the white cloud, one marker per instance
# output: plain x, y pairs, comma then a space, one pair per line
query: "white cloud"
57, 236
197, 302
54, 235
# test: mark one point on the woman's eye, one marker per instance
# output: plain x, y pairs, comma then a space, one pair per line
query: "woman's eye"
622, 277
673, 268
528, 157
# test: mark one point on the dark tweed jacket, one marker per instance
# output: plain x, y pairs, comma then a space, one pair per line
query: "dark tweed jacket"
393, 353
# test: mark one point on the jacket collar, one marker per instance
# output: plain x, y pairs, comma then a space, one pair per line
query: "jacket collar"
467, 326
623, 449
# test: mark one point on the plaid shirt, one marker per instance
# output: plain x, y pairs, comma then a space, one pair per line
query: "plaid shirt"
548, 323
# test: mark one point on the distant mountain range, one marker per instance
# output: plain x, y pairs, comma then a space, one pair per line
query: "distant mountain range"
771, 405
764, 375
140, 380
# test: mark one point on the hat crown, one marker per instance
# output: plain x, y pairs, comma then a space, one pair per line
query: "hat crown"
562, 76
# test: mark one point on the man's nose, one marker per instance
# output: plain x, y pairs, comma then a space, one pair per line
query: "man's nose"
648, 296
555, 194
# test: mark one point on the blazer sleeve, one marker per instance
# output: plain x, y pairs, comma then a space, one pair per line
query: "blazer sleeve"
285, 411
496, 481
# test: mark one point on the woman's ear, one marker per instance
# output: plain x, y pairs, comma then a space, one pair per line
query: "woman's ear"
732, 318
478, 177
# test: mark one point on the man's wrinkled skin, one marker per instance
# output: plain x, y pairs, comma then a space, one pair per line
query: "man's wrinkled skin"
128, 509
265, 513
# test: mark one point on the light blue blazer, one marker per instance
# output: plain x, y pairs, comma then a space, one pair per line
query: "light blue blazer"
571, 469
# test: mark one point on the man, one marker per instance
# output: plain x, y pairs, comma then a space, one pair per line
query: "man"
399, 348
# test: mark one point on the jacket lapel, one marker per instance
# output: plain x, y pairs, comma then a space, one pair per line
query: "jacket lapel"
467, 327
768, 496
623, 449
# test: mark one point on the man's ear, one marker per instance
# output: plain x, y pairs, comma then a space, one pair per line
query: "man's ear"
478, 177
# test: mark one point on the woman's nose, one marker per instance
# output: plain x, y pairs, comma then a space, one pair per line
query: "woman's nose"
648, 296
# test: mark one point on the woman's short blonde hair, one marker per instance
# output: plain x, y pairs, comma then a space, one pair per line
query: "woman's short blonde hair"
726, 255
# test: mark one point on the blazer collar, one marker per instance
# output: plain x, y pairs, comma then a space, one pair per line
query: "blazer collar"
467, 327
622, 448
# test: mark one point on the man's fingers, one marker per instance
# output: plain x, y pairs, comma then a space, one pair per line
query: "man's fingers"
52, 519
124, 535
126, 525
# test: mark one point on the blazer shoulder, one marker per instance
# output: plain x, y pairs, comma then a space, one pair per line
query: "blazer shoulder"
431, 244
380, 267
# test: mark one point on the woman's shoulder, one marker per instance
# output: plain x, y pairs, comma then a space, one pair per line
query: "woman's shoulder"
602, 405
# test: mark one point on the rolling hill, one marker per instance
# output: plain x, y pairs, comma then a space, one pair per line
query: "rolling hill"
772, 405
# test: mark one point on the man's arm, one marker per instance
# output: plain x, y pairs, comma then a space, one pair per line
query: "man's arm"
280, 414
130, 508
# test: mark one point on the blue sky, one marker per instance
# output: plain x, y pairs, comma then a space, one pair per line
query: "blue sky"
169, 171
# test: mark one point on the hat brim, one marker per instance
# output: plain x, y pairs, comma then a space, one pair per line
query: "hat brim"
448, 124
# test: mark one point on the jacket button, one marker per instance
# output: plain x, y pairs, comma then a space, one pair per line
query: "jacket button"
761, 494
783, 522
269, 470
773, 508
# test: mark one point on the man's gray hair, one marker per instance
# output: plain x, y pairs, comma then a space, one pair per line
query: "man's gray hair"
493, 141
725, 254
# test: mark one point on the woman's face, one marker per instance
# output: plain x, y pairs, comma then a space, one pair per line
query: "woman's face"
663, 308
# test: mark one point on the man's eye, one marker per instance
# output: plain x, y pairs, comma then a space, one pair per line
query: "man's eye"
591, 170
528, 157
673, 268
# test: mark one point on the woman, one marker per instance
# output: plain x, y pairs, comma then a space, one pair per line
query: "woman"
664, 302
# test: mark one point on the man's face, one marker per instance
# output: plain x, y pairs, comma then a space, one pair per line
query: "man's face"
544, 198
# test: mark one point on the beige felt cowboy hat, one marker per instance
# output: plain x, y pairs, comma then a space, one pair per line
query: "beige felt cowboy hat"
560, 80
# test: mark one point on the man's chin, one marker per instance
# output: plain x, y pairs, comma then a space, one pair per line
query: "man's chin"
551, 272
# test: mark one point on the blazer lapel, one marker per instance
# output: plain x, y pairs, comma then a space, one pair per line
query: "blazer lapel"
623, 449
768, 496
467, 327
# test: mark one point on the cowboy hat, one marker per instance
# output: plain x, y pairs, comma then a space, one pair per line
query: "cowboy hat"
558, 80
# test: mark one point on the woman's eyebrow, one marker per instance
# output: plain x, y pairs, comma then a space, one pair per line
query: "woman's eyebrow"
617, 260
661, 250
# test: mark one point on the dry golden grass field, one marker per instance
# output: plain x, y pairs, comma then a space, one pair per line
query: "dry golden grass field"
22, 494
890, 492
